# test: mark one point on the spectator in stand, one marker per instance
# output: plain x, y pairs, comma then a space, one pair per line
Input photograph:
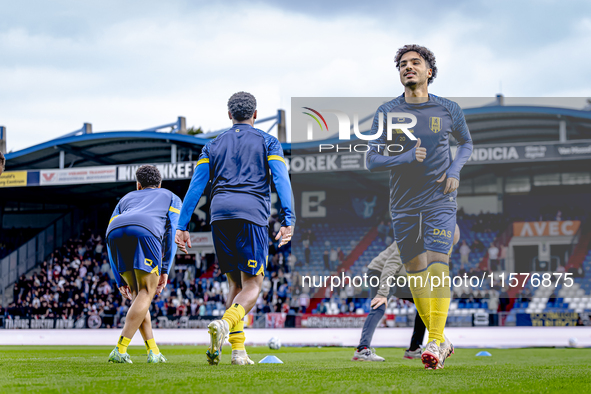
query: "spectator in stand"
307, 254
502, 256
321, 308
477, 246
462, 270
464, 253
503, 300
306, 239
334, 257
98, 250
341, 255
352, 308
493, 257
291, 262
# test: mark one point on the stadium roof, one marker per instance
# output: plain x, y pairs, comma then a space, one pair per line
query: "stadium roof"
118, 147
501, 123
488, 124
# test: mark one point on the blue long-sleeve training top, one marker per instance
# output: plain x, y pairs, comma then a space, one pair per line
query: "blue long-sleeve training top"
156, 210
413, 185
238, 162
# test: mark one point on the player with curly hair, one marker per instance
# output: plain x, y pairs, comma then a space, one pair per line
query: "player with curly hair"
241, 163
141, 249
423, 181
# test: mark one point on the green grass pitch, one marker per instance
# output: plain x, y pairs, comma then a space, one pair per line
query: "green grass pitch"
305, 370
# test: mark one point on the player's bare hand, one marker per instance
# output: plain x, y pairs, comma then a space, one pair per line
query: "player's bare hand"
183, 240
420, 153
125, 292
285, 235
379, 301
451, 185
161, 283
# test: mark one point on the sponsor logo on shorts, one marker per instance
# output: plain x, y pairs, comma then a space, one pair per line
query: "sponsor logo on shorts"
442, 233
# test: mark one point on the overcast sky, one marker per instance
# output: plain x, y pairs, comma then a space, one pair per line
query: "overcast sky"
129, 65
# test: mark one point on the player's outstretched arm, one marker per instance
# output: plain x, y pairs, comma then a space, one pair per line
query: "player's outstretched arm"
375, 159
116, 212
462, 135
284, 234
283, 186
196, 188
168, 244
284, 192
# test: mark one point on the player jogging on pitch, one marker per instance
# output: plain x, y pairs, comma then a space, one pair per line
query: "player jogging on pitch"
141, 248
387, 265
238, 162
423, 183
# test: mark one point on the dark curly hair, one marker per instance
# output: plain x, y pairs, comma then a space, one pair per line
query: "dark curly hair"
425, 53
148, 176
242, 105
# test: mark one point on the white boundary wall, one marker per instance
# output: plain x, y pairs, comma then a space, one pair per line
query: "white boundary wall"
471, 337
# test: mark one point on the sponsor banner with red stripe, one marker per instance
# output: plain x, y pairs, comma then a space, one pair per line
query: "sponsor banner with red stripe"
80, 175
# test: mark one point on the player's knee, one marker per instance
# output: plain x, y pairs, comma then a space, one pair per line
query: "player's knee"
380, 310
417, 263
436, 256
255, 283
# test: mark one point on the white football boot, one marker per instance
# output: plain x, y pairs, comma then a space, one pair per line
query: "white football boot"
447, 349
413, 354
239, 357
367, 355
431, 355
218, 333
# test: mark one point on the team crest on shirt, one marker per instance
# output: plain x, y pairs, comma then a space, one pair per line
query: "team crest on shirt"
435, 124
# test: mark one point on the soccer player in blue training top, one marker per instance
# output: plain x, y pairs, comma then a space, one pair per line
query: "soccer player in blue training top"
141, 248
384, 266
238, 162
423, 182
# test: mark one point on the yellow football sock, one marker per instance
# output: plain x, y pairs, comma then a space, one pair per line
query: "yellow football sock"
421, 293
233, 315
151, 345
440, 300
122, 344
237, 337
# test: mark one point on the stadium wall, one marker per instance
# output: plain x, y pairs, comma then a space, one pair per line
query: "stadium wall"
470, 337
476, 204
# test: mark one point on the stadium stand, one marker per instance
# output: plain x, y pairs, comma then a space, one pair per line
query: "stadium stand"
553, 188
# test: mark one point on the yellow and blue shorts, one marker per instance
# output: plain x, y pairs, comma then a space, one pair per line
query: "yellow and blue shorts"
421, 230
240, 244
134, 247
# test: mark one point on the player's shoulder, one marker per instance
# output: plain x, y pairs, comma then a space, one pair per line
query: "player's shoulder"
260, 133
269, 140
129, 196
450, 105
388, 106
218, 139
167, 193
